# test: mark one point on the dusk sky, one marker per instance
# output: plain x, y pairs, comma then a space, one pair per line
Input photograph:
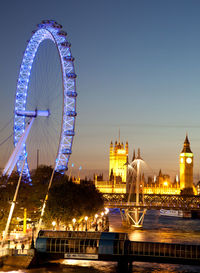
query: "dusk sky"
138, 70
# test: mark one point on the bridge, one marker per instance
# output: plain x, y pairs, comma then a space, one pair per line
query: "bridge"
110, 246
153, 201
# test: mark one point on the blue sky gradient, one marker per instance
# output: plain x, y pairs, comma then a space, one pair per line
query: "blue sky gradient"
138, 67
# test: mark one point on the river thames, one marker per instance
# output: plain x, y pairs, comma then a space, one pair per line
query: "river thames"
156, 229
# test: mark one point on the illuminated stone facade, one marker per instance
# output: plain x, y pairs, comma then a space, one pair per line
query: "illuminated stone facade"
186, 166
162, 184
118, 160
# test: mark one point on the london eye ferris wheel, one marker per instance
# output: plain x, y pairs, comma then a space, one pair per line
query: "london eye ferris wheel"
34, 103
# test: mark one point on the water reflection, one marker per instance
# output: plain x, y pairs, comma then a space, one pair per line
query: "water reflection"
156, 229
160, 228
101, 266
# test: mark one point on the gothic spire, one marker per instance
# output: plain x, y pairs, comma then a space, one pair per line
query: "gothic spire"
133, 155
186, 145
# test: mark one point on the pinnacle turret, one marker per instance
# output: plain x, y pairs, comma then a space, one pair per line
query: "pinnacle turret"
133, 155
186, 146
138, 155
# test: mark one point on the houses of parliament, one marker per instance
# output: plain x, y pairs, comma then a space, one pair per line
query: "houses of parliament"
122, 174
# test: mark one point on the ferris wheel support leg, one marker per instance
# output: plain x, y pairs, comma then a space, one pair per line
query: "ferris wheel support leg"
18, 148
13, 204
45, 201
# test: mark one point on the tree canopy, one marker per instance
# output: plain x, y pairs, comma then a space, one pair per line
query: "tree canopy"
66, 200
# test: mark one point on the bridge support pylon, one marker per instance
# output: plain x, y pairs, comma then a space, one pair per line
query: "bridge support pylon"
133, 217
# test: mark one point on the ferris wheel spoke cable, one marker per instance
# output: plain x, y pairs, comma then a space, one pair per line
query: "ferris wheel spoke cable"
47, 139
7, 138
49, 143
48, 30
6, 125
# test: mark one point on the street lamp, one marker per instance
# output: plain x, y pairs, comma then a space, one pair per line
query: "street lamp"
86, 218
80, 168
71, 172
102, 215
96, 224
32, 241
54, 224
106, 211
73, 221
107, 220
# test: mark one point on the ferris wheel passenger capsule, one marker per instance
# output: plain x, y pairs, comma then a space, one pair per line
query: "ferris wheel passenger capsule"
66, 44
62, 168
71, 94
62, 33
71, 75
67, 151
71, 113
57, 26
69, 58
69, 133
40, 25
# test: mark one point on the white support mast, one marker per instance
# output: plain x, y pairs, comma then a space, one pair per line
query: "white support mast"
13, 205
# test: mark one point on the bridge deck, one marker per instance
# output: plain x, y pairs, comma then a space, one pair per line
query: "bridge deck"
154, 201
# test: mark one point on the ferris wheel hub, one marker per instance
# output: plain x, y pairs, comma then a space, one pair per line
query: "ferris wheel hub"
33, 114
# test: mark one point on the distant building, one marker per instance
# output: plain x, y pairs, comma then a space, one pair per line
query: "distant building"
161, 185
123, 180
118, 160
186, 166
198, 188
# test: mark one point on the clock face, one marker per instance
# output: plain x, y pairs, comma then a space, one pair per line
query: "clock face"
189, 160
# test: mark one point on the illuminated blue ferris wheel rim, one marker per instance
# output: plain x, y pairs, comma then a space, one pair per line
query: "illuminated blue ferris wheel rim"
51, 30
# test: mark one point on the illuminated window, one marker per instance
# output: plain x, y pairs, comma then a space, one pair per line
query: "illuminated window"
181, 160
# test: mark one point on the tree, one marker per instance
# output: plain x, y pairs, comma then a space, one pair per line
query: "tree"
68, 200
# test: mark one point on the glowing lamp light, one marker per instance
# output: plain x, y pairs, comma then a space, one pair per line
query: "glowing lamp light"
74, 220
53, 223
102, 214
86, 218
165, 183
106, 210
96, 216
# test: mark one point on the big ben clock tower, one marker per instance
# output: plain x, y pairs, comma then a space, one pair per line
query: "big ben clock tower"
186, 166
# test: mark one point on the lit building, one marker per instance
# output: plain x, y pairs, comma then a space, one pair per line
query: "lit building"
117, 170
122, 180
118, 160
161, 185
186, 166
198, 188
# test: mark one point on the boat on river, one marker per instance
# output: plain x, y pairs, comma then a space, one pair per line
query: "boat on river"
172, 213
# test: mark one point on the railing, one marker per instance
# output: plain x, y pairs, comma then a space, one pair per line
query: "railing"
20, 252
87, 246
155, 201
178, 251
